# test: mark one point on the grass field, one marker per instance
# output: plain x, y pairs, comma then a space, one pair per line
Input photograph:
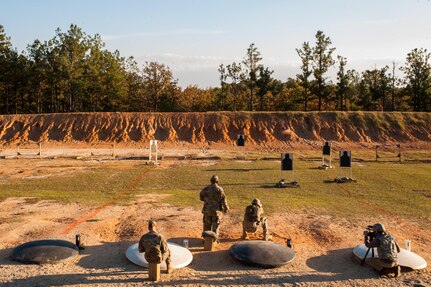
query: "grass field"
397, 189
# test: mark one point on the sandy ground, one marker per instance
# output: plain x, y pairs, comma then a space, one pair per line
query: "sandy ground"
323, 244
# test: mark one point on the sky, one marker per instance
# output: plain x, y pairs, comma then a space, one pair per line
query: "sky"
194, 37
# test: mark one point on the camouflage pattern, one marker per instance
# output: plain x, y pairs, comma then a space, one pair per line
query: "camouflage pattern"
215, 205
387, 252
155, 247
253, 218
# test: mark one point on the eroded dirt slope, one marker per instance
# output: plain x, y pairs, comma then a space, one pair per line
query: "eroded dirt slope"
222, 127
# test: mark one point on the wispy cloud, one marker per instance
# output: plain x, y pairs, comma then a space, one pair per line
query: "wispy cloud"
186, 62
184, 32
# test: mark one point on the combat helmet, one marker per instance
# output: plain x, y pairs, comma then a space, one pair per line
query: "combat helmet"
379, 227
214, 179
255, 201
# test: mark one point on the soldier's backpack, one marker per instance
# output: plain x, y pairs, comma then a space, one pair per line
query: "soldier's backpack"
388, 247
252, 213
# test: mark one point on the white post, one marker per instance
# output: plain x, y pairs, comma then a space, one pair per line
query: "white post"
153, 150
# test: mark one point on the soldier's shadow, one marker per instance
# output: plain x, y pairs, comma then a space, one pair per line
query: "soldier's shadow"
341, 263
107, 255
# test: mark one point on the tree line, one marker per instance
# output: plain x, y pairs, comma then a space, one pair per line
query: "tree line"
73, 72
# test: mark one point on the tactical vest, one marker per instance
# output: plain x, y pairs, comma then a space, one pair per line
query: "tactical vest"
388, 247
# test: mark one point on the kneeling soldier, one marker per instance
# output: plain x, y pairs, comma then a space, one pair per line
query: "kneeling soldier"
253, 218
387, 251
155, 247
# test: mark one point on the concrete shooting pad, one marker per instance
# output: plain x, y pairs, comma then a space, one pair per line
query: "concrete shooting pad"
180, 256
265, 254
405, 258
44, 251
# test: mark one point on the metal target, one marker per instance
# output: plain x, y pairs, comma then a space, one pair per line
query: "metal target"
241, 140
345, 158
327, 148
287, 161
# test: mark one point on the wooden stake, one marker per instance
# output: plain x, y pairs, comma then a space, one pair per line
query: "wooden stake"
154, 271
209, 244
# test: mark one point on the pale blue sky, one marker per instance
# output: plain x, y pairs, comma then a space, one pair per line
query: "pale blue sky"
194, 37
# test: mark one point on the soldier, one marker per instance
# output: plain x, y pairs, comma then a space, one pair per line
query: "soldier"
387, 251
253, 218
155, 247
215, 205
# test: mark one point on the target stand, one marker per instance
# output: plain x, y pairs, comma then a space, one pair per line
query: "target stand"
240, 142
153, 156
287, 165
28, 149
385, 146
326, 156
345, 163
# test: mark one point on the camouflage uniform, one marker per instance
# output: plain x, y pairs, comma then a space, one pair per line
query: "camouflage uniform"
155, 247
214, 206
387, 251
253, 218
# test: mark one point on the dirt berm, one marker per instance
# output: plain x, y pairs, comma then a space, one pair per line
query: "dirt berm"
260, 128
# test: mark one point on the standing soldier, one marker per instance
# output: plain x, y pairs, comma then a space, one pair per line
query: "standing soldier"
215, 205
155, 247
253, 218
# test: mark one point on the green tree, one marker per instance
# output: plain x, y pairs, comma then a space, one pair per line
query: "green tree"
133, 102
322, 61
374, 89
343, 83
160, 87
251, 64
73, 47
224, 86
417, 70
306, 58
263, 84
7, 66
234, 73
195, 99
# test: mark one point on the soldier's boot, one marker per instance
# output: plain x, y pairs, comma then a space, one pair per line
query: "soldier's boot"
384, 272
244, 235
396, 270
267, 237
169, 268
